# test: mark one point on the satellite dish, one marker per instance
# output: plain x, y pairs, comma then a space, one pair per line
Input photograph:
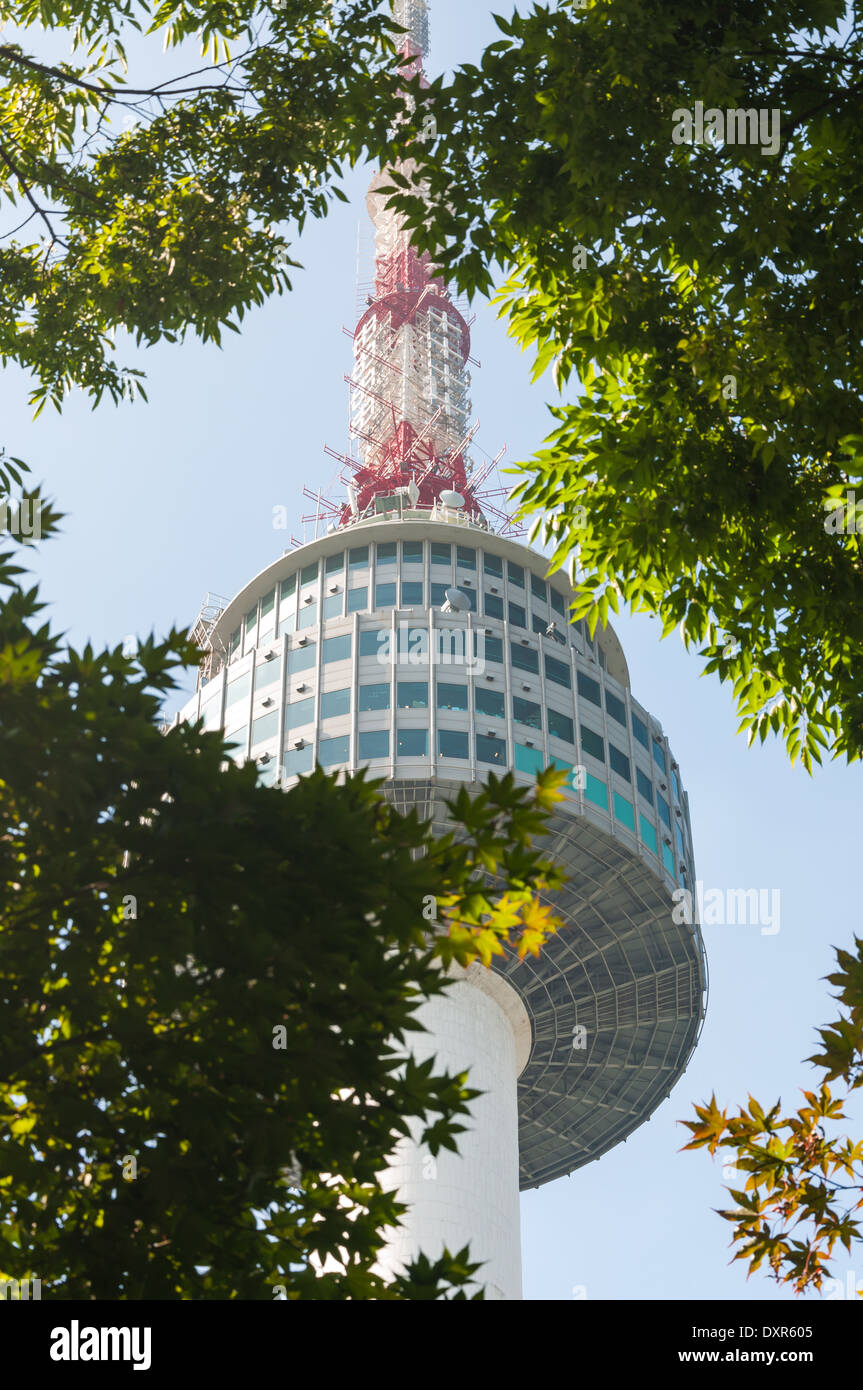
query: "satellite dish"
413, 493
452, 499
456, 602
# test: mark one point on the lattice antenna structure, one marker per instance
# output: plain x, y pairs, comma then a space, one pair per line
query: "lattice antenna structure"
413, 15
201, 633
410, 387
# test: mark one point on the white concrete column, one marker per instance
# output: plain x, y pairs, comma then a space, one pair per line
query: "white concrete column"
471, 1197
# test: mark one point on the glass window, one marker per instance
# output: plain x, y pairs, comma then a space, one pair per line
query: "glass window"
675, 785
492, 650
561, 726
616, 708
564, 767
470, 595
645, 786
528, 759
538, 624
385, 595
211, 710
287, 620
251, 619
336, 563
490, 750
623, 811
268, 775
526, 712
664, 809
234, 645
558, 671
412, 642
619, 762
523, 658
239, 688
593, 744
679, 839
239, 738
299, 760
374, 697
596, 791
374, 743
300, 713
412, 552
489, 703
441, 554
452, 743
265, 727
386, 553
557, 603
539, 588
358, 557
517, 615
358, 599
308, 616
335, 702
668, 859
333, 605
465, 557
373, 641
334, 750
309, 573
648, 834
413, 695
451, 696
412, 594
492, 606
515, 573
289, 586
639, 729
659, 755
268, 603
337, 648
267, 673
589, 689
302, 658
413, 743
438, 594
493, 564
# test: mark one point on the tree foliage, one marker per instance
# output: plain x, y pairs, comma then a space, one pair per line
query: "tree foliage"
154, 209
207, 989
706, 298
801, 1192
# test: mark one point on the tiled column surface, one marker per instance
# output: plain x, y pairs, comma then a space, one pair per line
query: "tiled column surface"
470, 1197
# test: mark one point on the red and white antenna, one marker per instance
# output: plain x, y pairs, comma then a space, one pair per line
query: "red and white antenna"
410, 387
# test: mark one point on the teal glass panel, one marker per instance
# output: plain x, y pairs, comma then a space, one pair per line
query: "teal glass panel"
596, 791
623, 811
648, 834
528, 759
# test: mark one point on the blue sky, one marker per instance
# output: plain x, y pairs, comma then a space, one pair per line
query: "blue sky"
168, 500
